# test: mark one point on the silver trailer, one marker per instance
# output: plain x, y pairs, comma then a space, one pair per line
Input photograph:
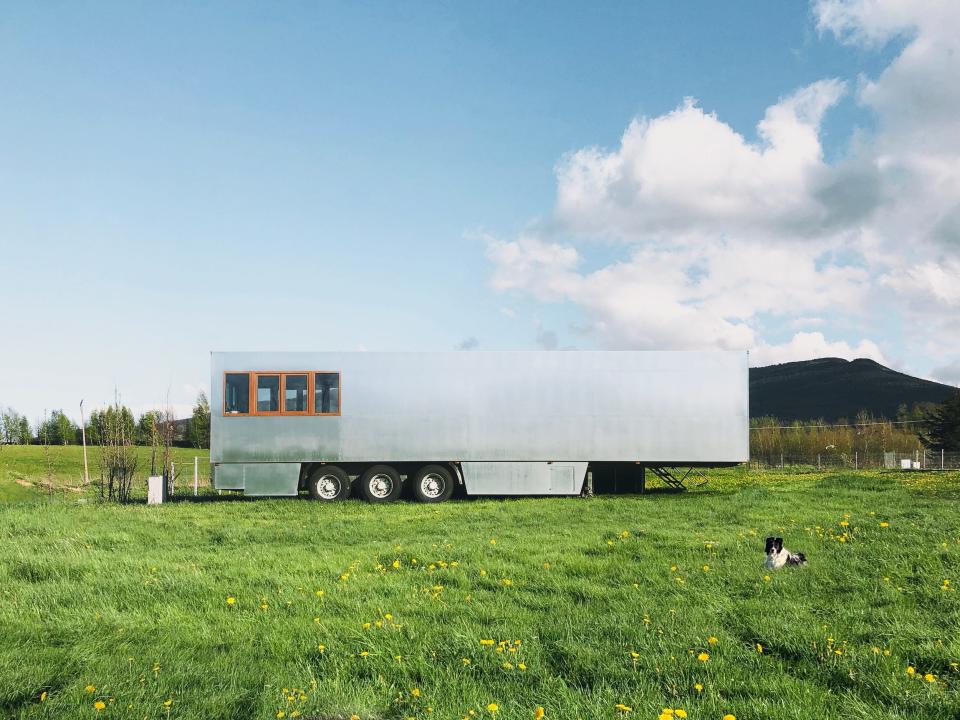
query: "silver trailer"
494, 423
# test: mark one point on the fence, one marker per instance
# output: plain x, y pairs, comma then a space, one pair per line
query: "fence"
189, 478
879, 459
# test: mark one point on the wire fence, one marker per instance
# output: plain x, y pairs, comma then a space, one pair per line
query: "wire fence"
873, 460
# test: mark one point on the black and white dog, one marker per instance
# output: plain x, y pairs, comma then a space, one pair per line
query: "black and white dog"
778, 555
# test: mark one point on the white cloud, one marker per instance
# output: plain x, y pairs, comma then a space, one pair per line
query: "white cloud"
806, 346
949, 373
725, 234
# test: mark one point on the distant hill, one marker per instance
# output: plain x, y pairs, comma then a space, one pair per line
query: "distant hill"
832, 388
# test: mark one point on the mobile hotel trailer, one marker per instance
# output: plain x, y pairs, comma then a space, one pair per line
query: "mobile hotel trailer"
497, 423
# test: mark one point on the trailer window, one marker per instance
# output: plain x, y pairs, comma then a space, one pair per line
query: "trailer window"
295, 393
326, 389
268, 393
236, 394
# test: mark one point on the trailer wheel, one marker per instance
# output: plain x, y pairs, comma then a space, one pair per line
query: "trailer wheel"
380, 484
432, 484
329, 483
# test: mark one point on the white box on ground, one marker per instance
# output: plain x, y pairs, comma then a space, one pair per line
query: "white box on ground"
156, 490
906, 464
916, 465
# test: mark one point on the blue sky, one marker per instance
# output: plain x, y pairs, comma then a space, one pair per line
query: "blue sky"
182, 177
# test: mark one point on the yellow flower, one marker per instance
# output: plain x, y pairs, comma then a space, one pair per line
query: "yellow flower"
884, 524
493, 707
99, 705
415, 692
703, 657
507, 581
911, 670
231, 600
698, 687
522, 666
728, 716
43, 696
320, 593
766, 578
930, 677
396, 564
706, 568
364, 653
843, 523
354, 717
712, 640
539, 713
759, 648
634, 654
680, 713
466, 661
281, 714
486, 642
168, 702
322, 647
623, 708
90, 688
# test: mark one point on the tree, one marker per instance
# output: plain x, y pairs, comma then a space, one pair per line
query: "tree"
199, 428
147, 427
58, 429
24, 436
941, 428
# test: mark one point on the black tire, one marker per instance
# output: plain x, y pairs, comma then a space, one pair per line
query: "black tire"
329, 483
380, 484
432, 484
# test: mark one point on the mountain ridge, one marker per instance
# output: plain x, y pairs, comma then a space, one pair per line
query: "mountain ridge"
834, 388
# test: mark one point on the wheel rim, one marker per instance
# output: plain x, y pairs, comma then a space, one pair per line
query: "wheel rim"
328, 487
381, 485
432, 485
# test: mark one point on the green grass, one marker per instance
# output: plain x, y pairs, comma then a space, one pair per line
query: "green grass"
32, 470
132, 601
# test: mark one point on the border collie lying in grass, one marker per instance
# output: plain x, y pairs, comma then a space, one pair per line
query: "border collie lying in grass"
778, 555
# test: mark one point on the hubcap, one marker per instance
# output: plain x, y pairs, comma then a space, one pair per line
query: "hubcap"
432, 485
328, 487
381, 485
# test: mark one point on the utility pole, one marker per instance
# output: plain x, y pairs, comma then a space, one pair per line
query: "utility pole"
83, 435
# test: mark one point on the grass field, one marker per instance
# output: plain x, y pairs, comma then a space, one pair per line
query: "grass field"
602, 608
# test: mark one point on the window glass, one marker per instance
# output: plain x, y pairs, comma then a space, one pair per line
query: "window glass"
326, 386
268, 393
236, 397
294, 393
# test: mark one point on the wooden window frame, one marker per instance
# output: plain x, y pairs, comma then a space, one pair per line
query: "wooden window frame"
313, 393
253, 381
283, 393
254, 386
223, 409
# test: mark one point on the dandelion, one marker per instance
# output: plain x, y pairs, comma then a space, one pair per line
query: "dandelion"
680, 713
43, 696
844, 523
712, 640
539, 713
911, 671
703, 657
486, 642
231, 600
322, 648
354, 717
930, 678
99, 705
90, 688
364, 654
492, 707
698, 687
623, 708
766, 578
706, 568
728, 716
465, 661
507, 582
884, 524
320, 593
168, 702
415, 692
521, 666
546, 566
281, 714
759, 648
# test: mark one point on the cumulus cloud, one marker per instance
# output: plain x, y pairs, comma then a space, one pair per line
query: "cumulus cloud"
724, 233
806, 346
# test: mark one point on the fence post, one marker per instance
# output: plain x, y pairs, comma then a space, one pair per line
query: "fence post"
196, 462
941, 458
818, 461
781, 461
856, 459
173, 478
